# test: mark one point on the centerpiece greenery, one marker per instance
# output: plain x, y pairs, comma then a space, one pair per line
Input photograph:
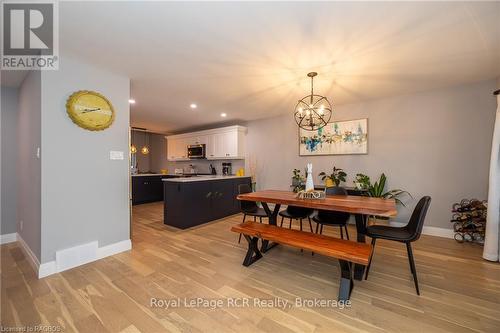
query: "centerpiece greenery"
297, 180
335, 178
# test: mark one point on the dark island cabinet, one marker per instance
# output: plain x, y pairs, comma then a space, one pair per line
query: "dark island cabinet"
147, 188
191, 203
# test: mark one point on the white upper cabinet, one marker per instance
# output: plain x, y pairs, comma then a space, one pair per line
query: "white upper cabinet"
221, 143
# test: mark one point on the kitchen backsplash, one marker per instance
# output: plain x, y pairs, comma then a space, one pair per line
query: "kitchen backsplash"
203, 166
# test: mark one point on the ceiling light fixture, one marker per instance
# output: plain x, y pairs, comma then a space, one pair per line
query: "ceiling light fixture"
223, 115
193, 106
313, 111
131, 101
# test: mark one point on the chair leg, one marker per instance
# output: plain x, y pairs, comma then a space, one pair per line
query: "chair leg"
260, 219
300, 221
310, 224
321, 230
370, 260
282, 218
412, 266
341, 232
290, 225
317, 227
255, 218
346, 232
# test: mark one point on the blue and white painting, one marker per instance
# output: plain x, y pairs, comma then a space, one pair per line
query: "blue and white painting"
336, 138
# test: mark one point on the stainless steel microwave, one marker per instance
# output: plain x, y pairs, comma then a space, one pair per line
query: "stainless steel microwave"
196, 151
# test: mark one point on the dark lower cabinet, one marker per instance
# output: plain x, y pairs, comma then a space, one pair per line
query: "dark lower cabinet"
147, 188
188, 204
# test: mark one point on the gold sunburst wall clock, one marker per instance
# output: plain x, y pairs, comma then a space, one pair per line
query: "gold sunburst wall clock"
90, 110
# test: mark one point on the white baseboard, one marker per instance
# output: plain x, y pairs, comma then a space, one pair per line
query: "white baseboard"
32, 259
428, 230
74, 256
8, 238
439, 232
109, 250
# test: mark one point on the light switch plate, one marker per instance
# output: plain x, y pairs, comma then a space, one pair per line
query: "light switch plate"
116, 155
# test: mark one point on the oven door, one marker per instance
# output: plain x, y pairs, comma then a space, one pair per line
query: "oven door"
196, 151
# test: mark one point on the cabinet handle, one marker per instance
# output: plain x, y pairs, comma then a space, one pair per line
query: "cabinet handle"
209, 194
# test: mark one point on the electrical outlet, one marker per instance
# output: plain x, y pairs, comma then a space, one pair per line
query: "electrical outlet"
21, 225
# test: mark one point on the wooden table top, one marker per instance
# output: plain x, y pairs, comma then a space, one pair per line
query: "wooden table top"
342, 203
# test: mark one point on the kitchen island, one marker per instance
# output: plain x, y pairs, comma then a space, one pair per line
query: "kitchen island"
191, 201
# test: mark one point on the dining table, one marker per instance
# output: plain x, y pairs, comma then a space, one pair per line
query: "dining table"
359, 206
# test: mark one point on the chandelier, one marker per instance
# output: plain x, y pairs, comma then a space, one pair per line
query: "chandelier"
313, 111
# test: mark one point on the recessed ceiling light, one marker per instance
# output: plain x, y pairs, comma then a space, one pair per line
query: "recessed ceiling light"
131, 101
223, 115
193, 106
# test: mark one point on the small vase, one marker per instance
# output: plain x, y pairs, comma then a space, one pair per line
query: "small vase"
309, 180
329, 182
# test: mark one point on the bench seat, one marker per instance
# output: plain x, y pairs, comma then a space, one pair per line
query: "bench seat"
347, 252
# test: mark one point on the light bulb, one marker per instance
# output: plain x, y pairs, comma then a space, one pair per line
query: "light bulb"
145, 150
133, 149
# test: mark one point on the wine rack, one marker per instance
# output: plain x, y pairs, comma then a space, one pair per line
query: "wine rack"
469, 220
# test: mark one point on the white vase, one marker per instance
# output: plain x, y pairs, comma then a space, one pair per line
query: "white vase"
309, 180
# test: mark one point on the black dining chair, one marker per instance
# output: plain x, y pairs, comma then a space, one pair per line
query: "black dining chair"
296, 213
250, 208
333, 218
407, 234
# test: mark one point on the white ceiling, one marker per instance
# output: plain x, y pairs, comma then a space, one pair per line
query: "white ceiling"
250, 60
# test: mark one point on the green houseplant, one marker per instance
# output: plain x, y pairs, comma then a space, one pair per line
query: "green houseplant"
297, 180
336, 177
377, 190
362, 181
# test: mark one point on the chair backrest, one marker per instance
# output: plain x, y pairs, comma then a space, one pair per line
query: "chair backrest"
338, 217
416, 223
246, 206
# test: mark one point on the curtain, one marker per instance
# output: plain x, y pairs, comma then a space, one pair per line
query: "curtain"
492, 239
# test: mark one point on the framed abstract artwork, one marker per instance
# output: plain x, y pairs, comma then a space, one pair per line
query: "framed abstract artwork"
336, 138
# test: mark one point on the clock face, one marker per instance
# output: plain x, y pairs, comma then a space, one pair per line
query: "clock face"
90, 110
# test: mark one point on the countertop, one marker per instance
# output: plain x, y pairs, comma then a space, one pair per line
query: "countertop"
201, 178
150, 174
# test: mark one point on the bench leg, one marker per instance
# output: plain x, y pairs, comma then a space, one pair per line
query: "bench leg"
346, 283
272, 221
250, 258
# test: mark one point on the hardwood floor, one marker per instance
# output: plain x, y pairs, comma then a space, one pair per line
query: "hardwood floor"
460, 291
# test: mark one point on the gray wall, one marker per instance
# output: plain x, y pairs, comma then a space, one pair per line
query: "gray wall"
433, 143
85, 194
28, 164
158, 154
9, 114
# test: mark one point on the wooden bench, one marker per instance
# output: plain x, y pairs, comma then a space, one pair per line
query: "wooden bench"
347, 252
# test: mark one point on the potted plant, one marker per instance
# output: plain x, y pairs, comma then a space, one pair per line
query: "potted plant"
338, 175
377, 190
362, 181
297, 180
